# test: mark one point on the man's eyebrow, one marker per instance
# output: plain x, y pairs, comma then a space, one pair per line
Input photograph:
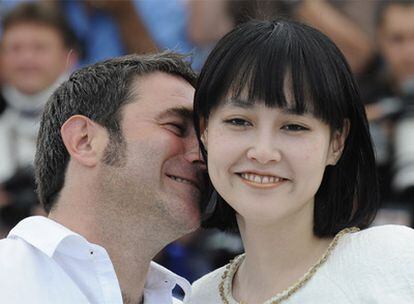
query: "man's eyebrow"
181, 112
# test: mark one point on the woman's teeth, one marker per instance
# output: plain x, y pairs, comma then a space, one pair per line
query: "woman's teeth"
260, 179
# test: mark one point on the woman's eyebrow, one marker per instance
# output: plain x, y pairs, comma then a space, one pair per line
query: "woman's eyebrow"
240, 103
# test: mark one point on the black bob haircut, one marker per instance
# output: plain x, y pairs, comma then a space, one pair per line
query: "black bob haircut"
259, 56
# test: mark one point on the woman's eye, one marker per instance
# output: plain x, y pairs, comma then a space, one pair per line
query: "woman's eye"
238, 122
294, 128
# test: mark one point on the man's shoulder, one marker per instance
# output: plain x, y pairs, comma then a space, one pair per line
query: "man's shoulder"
16, 254
21, 271
12, 248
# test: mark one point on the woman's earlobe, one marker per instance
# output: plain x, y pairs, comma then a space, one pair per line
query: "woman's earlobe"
203, 137
338, 143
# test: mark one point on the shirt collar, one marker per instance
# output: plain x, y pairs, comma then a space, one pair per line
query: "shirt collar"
160, 278
34, 230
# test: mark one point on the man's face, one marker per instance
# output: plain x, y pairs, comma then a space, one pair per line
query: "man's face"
158, 173
32, 57
396, 39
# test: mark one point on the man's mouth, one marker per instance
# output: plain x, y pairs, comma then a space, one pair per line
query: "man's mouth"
183, 180
261, 180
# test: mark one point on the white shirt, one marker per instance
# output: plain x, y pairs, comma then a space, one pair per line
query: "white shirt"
43, 262
373, 266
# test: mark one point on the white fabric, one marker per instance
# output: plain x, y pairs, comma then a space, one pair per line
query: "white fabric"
43, 262
19, 125
373, 266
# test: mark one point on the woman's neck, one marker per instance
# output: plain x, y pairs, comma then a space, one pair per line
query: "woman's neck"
277, 256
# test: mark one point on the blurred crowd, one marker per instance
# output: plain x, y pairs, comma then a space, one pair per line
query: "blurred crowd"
41, 42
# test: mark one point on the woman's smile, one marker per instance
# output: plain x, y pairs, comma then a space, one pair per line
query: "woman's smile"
260, 180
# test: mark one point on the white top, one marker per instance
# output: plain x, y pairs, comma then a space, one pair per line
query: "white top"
43, 262
375, 265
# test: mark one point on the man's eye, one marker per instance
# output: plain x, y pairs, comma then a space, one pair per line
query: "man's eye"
294, 128
176, 128
238, 122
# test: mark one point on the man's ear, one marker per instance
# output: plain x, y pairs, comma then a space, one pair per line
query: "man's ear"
338, 143
83, 140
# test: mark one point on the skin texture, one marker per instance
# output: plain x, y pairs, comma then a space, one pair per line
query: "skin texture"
133, 208
396, 41
266, 141
275, 218
33, 56
156, 148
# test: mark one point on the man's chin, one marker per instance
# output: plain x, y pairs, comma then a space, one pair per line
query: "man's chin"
190, 220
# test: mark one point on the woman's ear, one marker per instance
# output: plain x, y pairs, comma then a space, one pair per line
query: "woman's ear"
337, 144
204, 137
203, 132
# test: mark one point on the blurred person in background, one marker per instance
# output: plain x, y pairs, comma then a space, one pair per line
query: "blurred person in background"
37, 50
388, 91
210, 20
106, 28
119, 172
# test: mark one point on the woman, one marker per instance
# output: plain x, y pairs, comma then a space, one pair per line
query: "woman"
289, 155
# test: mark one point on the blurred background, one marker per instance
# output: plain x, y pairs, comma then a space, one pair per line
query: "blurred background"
42, 42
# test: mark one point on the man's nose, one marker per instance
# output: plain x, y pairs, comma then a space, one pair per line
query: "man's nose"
264, 150
192, 151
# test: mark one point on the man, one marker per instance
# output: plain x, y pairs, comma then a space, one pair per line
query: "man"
119, 173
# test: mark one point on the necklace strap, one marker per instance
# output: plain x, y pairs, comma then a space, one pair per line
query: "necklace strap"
225, 286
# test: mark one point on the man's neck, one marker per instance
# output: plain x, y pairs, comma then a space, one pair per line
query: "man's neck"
130, 248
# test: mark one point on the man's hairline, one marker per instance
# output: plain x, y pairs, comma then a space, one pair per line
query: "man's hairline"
133, 96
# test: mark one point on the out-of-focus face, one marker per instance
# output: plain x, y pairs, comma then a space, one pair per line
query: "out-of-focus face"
267, 163
159, 175
32, 57
396, 40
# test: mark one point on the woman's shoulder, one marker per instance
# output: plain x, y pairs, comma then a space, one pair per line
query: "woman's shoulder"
390, 245
384, 236
374, 265
206, 289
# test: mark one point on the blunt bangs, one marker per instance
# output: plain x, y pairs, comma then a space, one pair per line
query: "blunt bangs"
287, 64
267, 60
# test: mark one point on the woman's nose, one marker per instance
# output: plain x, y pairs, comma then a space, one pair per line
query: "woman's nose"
264, 150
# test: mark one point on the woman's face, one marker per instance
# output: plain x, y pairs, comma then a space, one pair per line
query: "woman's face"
268, 163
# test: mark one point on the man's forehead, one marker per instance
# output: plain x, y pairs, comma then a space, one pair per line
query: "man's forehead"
160, 94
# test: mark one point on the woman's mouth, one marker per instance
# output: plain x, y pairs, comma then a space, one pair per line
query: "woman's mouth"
261, 181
